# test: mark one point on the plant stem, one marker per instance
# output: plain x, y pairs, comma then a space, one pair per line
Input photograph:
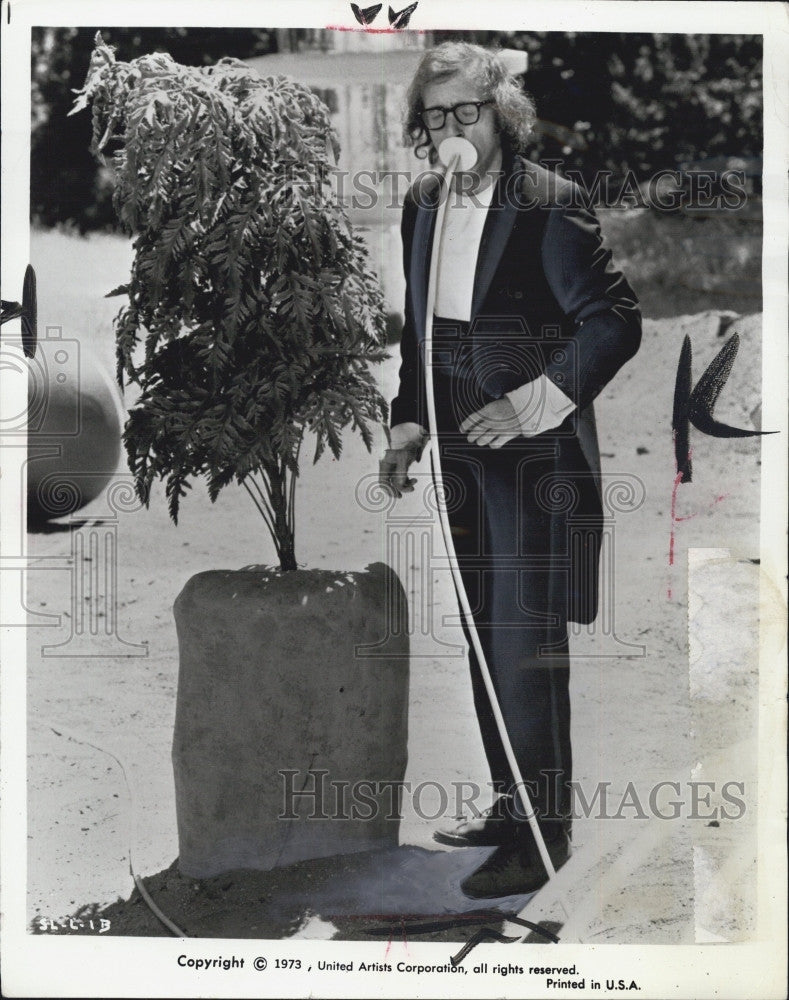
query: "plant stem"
264, 514
265, 505
277, 481
292, 488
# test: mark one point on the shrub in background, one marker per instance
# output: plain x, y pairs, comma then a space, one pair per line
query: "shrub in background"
252, 315
67, 185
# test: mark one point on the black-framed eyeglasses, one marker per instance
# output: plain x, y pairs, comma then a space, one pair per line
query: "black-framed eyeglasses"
466, 113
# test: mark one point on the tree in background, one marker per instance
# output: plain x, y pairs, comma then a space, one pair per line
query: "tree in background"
66, 184
639, 102
257, 307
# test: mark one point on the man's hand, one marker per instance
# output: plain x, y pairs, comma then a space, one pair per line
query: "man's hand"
407, 441
494, 425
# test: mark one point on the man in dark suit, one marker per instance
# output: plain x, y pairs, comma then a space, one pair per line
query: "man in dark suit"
531, 320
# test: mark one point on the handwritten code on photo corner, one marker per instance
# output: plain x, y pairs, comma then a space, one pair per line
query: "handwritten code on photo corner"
72, 925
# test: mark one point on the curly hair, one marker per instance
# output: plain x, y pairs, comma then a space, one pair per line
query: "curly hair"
515, 111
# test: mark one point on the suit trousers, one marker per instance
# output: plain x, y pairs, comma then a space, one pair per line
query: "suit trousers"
505, 540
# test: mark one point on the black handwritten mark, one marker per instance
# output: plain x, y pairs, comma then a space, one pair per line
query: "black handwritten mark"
27, 309
485, 934
401, 20
367, 15
696, 406
680, 421
488, 934
705, 395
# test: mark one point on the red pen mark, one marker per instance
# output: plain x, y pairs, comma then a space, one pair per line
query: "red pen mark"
675, 519
373, 31
405, 939
690, 517
679, 475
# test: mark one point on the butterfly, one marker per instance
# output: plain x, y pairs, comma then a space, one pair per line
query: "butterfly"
366, 16
401, 20
27, 310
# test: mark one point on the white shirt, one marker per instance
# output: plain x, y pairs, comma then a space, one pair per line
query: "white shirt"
463, 224
540, 404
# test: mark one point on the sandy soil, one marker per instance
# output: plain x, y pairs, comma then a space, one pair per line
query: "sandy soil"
647, 705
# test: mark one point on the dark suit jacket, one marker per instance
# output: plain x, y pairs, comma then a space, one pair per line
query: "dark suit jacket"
546, 287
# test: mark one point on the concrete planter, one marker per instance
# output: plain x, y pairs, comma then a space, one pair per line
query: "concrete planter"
286, 732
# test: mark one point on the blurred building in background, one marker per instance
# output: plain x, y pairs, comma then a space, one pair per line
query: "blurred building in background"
323, 40
362, 77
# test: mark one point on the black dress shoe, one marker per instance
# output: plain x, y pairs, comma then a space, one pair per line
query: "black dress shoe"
515, 868
492, 827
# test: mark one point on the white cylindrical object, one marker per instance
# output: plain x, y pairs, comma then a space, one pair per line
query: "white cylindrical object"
455, 147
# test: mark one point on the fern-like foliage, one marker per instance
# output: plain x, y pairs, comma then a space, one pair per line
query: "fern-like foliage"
252, 312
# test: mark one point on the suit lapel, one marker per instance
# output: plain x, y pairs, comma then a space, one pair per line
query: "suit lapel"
420, 255
495, 234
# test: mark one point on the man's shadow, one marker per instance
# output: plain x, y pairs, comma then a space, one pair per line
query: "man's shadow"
397, 893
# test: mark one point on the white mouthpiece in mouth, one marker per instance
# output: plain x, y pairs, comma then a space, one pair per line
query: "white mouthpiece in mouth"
456, 146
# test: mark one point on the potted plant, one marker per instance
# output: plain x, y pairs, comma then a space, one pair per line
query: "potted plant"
252, 318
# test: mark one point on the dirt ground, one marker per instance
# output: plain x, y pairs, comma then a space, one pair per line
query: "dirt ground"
658, 695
